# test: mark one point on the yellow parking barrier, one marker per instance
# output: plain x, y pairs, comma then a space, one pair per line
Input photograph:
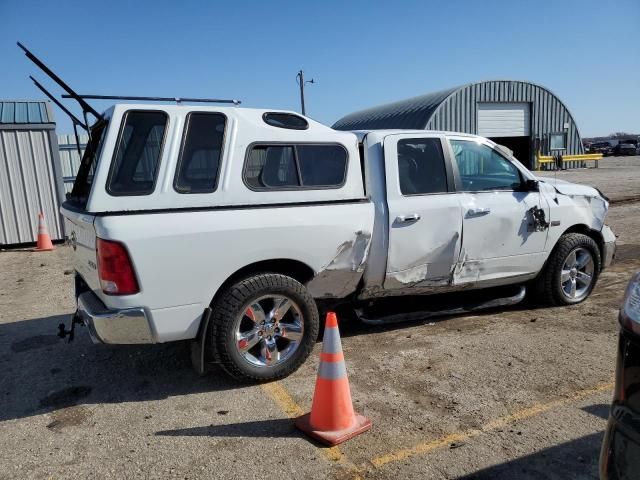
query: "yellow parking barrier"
586, 157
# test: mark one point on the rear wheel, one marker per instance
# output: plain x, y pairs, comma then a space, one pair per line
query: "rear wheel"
571, 271
264, 327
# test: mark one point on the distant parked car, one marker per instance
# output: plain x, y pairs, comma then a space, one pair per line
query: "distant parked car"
625, 149
620, 454
604, 148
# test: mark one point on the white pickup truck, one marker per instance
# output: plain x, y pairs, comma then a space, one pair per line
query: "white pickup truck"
229, 226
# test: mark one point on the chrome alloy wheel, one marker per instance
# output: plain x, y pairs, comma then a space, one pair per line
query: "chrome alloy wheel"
577, 274
269, 330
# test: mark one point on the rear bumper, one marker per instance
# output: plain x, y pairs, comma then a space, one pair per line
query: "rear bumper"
608, 246
126, 326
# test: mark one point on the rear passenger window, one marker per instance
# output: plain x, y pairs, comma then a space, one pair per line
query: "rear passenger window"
134, 168
421, 166
274, 167
199, 161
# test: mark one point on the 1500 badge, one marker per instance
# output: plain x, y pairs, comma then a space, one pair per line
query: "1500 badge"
92, 264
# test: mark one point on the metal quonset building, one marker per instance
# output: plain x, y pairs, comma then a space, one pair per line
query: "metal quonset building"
519, 115
30, 177
70, 158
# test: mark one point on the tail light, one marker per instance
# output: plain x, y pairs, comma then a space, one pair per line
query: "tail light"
115, 269
630, 311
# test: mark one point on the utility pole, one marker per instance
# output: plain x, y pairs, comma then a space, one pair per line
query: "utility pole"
301, 81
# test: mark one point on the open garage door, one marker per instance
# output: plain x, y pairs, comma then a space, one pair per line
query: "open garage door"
504, 120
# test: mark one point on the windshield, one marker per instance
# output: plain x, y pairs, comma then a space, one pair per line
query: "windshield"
84, 178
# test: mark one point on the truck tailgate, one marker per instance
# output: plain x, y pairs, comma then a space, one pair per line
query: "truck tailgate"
82, 236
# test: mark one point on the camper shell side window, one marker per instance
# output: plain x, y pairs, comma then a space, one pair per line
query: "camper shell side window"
136, 161
295, 166
199, 161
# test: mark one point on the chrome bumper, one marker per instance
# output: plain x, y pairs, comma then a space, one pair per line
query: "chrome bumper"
127, 326
608, 246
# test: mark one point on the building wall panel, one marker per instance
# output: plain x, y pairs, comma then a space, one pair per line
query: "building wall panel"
27, 186
69, 158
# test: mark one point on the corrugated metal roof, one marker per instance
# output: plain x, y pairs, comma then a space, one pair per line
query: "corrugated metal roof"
12, 112
412, 113
456, 110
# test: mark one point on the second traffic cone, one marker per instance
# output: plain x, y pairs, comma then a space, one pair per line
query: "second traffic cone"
332, 419
44, 240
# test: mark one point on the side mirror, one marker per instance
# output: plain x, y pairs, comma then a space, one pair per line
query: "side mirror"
531, 186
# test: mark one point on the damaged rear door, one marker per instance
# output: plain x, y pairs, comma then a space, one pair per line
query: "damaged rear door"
425, 220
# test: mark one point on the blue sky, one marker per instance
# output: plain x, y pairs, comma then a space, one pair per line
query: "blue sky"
360, 54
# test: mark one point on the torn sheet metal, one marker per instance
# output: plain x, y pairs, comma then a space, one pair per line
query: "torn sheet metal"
575, 204
569, 188
465, 270
537, 220
432, 270
340, 277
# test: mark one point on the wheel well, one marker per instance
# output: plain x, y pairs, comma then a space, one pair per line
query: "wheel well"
589, 232
293, 268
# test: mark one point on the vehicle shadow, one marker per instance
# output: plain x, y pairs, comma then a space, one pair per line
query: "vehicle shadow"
273, 428
350, 325
42, 373
600, 410
575, 459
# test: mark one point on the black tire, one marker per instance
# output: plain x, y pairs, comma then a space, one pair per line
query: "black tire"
234, 300
548, 286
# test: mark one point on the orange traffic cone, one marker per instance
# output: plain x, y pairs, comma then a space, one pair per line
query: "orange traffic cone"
332, 419
44, 240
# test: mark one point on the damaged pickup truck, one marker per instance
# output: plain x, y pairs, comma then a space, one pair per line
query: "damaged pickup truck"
229, 226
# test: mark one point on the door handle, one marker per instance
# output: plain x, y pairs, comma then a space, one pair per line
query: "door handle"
414, 217
478, 212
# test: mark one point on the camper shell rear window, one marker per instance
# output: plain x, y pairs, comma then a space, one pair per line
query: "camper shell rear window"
84, 179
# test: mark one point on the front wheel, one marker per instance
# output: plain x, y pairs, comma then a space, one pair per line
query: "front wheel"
571, 271
264, 327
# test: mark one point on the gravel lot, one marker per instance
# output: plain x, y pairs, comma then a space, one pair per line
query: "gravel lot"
616, 176
518, 393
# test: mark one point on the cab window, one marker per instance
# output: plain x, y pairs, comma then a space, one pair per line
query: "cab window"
421, 166
482, 168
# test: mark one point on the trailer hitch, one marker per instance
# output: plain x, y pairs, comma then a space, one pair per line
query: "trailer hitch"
63, 332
